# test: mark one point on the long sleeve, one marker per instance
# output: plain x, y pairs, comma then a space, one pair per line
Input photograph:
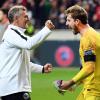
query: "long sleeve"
21, 41
85, 71
36, 68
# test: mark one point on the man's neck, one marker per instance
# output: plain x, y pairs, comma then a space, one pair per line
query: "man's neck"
83, 29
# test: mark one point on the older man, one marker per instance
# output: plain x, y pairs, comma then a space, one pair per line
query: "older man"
15, 65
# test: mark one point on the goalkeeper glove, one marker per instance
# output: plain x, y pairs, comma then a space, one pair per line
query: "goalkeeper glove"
57, 85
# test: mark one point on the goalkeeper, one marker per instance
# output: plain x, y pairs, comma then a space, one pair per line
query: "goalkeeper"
89, 53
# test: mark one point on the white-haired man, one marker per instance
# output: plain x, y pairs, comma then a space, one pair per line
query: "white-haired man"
15, 65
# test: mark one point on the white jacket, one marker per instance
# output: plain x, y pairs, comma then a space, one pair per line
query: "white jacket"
15, 65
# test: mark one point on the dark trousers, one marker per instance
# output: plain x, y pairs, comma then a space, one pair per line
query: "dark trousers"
17, 96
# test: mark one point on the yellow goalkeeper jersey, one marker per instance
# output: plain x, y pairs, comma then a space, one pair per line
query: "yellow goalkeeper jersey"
90, 51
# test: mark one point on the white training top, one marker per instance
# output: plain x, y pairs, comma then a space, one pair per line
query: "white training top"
15, 65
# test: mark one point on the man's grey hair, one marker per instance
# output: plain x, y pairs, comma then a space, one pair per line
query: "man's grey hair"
15, 11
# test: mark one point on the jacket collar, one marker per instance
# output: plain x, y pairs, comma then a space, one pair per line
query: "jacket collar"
17, 28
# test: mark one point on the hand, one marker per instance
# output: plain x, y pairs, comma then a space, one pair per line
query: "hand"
66, 85
47, 68
62, 86
57, 85
49, 24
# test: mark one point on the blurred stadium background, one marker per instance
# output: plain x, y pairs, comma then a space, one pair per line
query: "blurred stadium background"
60, 48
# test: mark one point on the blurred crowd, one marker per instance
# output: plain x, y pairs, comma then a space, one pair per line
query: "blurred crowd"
41, 10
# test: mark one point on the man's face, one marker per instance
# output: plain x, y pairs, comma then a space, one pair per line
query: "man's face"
23, 20
71, 23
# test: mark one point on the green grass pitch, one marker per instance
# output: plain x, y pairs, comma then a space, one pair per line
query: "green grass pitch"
43, 89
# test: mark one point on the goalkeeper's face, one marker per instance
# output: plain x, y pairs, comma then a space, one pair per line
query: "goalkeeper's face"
72, 24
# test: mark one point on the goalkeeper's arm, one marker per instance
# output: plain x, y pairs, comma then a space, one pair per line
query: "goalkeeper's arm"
84, 72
